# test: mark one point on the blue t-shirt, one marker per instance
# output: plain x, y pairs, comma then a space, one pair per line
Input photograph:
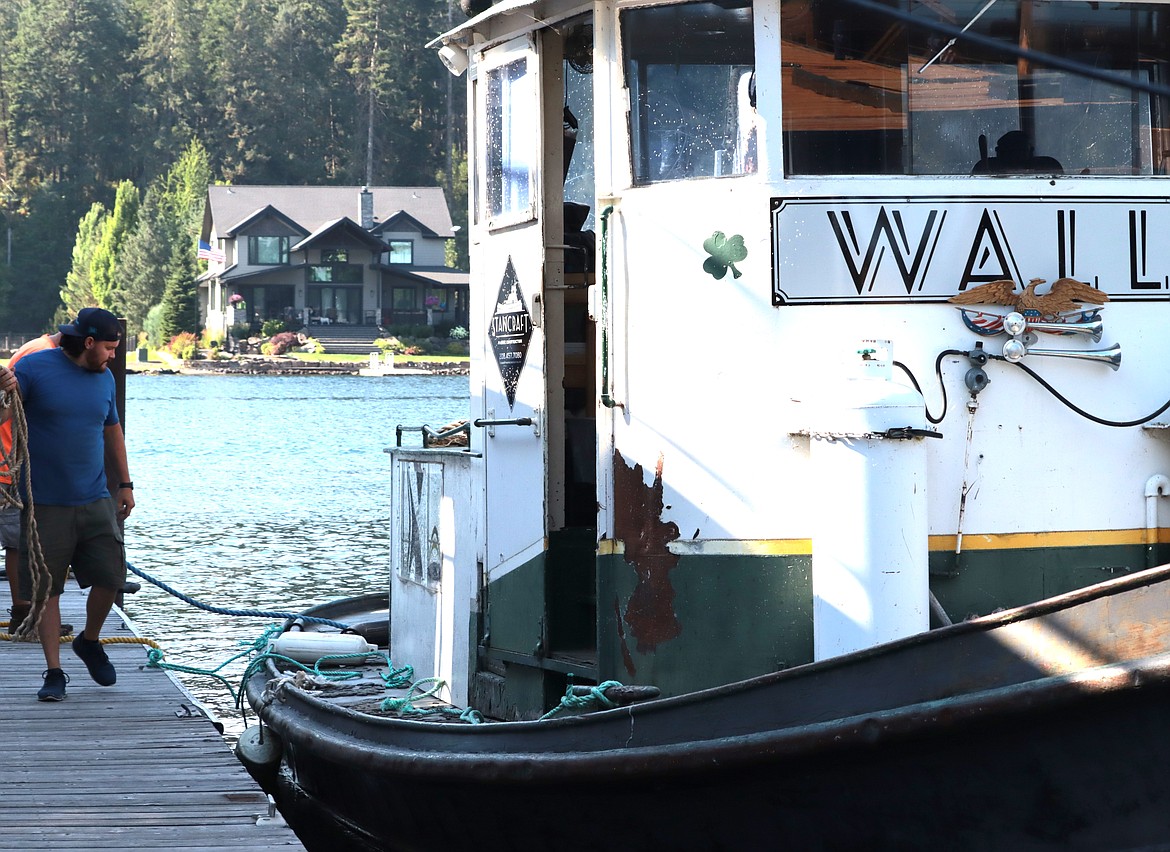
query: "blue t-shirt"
67, 408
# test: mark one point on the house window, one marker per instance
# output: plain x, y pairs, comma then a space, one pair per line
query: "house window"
336, 273
436, 299
689, 70
334, 255
264, 302
268, 251
401, 251
403, 299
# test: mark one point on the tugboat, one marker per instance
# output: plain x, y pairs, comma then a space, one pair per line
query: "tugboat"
794, 403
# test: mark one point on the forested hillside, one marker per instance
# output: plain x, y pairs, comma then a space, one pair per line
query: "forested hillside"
116, 114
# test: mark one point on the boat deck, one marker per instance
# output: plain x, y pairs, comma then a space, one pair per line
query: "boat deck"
133, 766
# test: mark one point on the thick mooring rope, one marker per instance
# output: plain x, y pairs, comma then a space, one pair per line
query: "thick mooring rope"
16, 462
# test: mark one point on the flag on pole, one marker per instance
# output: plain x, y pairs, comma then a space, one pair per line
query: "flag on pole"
206, 252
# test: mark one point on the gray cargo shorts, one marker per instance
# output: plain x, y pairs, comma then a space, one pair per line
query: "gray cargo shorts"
86, 538
9, 527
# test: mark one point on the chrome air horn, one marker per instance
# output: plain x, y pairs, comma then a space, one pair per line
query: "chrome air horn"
1016, 324
1015, 350
1093, 328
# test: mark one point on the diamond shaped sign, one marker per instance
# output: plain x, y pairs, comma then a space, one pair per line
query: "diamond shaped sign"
510, 331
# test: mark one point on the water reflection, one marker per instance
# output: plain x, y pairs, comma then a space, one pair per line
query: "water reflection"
261, 493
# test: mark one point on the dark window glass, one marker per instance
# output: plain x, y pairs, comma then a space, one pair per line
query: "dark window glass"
866, 94
267, 251
689, 69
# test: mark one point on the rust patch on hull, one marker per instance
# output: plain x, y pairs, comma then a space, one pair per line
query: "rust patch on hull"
639, 526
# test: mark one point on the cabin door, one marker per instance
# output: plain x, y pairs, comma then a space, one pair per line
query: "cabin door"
510, 280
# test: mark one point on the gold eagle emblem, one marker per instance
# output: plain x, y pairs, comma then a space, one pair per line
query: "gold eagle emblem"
1065, 294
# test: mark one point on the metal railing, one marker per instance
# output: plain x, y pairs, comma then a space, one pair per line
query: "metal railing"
13, 340
430, 435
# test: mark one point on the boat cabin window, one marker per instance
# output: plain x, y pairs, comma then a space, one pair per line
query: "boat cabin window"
689, 70
865, 93
512, 130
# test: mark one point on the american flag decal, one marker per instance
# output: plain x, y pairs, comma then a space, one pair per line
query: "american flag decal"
990, 324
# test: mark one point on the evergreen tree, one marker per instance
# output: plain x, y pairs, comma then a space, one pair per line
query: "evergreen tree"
285, 90
180, 303
400, 84
117, 226
455, 251
173, 101
67, 82
184, 190
97, 92
143, 264
78, 291
317, 107
168, 222
39, 257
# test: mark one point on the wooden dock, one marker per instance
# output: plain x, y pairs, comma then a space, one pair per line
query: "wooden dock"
133, 766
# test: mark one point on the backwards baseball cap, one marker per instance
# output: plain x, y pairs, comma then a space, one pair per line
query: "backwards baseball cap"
97, 323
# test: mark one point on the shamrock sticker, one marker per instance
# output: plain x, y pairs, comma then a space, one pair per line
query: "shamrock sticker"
725, 253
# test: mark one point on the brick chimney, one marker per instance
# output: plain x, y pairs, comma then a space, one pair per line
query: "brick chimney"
366, 211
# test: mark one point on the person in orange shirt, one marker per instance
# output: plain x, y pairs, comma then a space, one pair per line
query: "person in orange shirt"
10, 515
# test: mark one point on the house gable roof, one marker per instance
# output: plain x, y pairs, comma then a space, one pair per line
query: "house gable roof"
311, 207
344, 227
403, 221
257, 216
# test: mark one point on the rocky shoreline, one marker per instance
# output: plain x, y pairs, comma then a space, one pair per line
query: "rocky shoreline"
276, 366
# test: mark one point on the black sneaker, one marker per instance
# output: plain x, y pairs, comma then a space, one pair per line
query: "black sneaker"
94, 656
16, 616
54, 688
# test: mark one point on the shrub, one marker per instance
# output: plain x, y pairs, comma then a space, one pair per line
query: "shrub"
389, 344
184, 345
457, 347
273, 327
152, 328
241, 331
209, 340
279, 344
458, 333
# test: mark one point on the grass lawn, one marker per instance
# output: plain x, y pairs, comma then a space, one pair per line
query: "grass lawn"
174, 363
398, 359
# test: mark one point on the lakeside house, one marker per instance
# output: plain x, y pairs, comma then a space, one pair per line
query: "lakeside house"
319, 255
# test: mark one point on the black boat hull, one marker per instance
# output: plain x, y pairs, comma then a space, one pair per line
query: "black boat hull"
989, 734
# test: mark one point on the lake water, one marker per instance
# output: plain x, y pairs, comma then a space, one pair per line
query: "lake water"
262, 492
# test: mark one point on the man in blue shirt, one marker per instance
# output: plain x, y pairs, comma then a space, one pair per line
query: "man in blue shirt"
74, 441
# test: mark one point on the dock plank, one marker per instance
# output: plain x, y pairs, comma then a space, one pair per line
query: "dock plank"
133, 766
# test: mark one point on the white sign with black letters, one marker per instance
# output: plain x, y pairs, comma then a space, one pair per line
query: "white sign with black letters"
927, 249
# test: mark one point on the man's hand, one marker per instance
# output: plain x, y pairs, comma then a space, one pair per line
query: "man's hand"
9, 388
7, 380
124, 502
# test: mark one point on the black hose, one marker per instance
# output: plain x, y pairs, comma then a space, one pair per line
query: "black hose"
941, 384
1077, 409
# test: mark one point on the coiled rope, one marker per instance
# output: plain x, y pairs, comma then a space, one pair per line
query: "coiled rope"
105, 640
593, 699
392, 678
404, 706
16, 463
